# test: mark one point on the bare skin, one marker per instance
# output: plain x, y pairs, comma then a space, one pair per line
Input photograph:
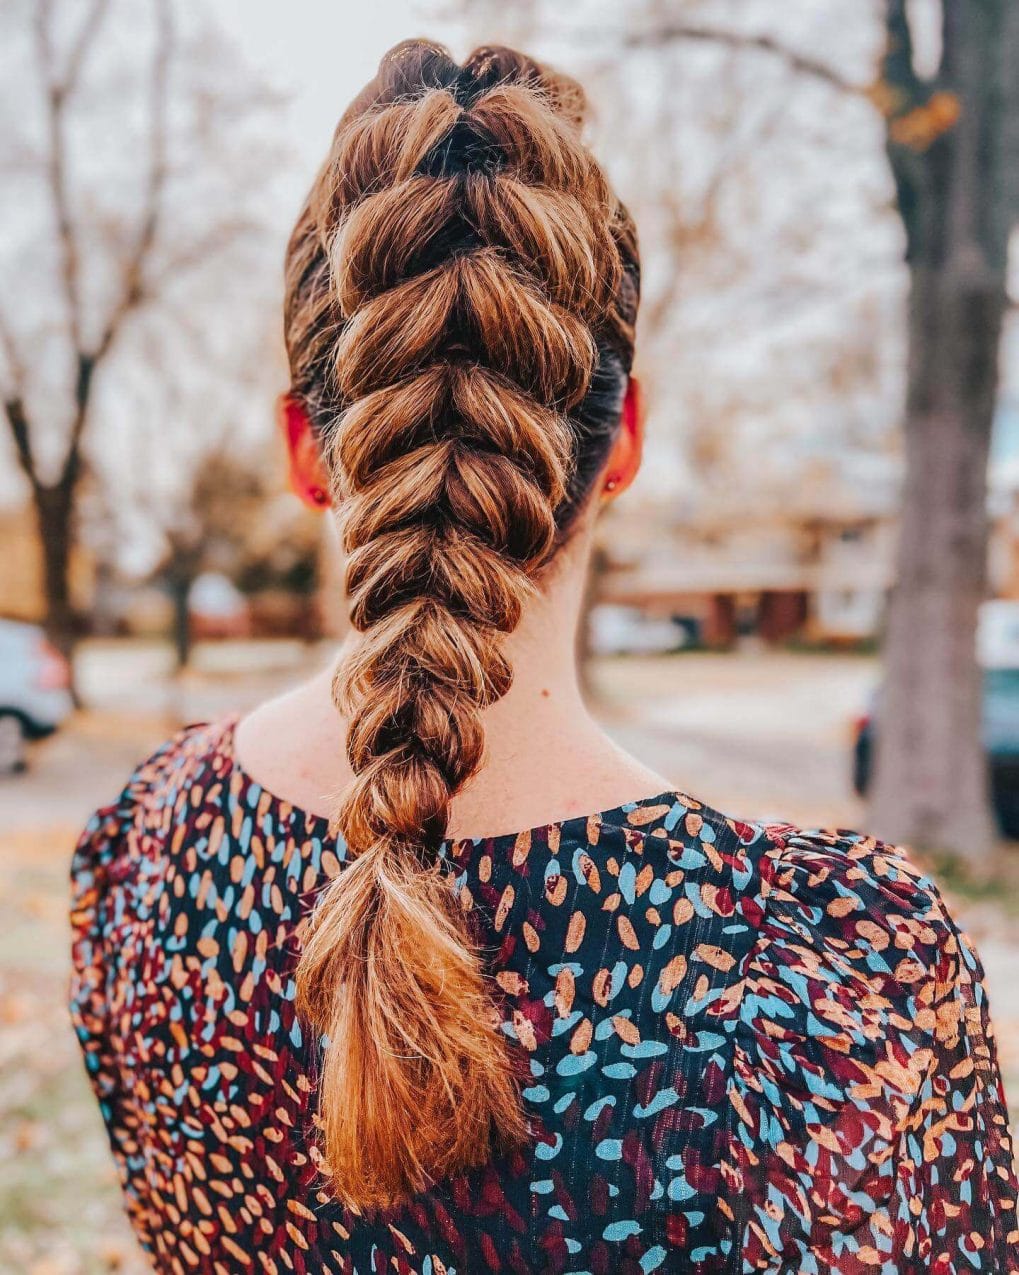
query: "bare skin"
546, 758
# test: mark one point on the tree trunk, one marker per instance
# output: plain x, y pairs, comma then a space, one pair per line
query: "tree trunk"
952, 150
180, 588
54, 511
180, 573
931, 783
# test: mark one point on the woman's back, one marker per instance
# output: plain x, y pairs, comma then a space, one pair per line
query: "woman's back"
741, 1047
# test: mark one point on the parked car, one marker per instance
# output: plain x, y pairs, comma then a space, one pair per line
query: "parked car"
998, 647
626, 630
35, 692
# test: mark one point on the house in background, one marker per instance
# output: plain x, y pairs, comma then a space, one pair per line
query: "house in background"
813, 562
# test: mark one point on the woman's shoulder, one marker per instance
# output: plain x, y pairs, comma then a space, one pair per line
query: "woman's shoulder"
822, 935
838, 879
157, 791
828, 885
122, 849
862, 1049
201, 750
839, 907
859, 966
831, 942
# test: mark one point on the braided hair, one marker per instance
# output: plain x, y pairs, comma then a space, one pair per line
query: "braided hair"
461, 293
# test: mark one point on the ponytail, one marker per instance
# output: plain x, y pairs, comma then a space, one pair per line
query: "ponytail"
461, 238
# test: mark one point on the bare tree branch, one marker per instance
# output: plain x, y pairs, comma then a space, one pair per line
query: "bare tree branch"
132, 280
798, 62
56, 172
15, 366
14, 410
132, 289
905, 99
686, 229
57, 89
200, 250
80, 47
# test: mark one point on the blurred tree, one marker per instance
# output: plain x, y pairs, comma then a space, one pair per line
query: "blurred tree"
953, 145
237, 520
113, 125
208, 531
58, 73
224, 500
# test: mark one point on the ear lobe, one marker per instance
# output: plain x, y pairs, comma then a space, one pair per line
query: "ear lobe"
309, 477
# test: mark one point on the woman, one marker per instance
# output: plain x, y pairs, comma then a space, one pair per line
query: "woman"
400, 1037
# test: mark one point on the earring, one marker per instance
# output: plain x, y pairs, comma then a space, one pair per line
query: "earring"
611, 484
319, 496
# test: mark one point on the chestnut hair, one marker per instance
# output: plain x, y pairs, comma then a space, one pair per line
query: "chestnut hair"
461, 292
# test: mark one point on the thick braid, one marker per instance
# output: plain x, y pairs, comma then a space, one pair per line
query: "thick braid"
472, 255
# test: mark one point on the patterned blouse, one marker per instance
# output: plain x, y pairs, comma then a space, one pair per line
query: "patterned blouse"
751, 1048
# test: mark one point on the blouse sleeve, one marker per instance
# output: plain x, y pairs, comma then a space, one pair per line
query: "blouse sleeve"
868, 1127
94, 855
101, 860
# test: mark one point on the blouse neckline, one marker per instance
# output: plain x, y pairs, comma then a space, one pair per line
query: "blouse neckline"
317, 824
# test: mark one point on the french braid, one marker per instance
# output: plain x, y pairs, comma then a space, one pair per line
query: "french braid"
461, 283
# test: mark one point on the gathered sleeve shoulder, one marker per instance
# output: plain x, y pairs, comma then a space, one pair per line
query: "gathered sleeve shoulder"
101, 859
868, 1127
115, 863
109, 855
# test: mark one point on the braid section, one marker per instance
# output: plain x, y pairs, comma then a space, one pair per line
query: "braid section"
472, 260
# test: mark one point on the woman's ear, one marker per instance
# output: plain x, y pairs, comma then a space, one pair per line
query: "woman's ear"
309, 477
624, 458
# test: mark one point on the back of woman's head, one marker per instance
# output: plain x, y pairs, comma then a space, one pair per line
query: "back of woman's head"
461, 292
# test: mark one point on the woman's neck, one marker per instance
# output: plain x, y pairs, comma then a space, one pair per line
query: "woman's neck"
545, 756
